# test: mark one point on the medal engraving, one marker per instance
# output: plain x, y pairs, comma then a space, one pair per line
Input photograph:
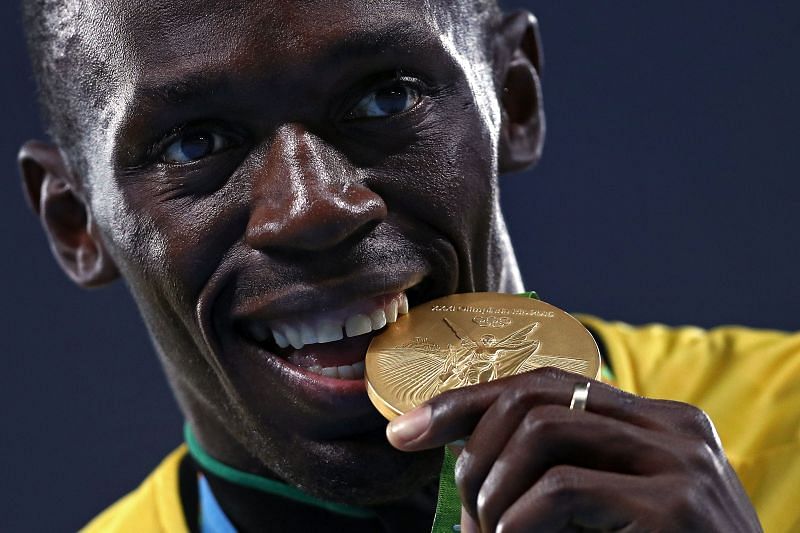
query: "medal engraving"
444, 345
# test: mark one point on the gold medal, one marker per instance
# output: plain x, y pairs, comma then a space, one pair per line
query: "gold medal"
466, 339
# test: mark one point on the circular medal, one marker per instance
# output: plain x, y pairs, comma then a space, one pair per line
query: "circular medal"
466, 339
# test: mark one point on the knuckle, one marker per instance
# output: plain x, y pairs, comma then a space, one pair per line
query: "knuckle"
683, 505
486, 504
694, 417
538, 422
681, 502
515, 399
697, 422
467, 478
462, 467
692, 421
700, 456
560, 483
509, 525
549, 373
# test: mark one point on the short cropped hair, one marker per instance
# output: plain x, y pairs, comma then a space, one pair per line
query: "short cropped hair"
70, 77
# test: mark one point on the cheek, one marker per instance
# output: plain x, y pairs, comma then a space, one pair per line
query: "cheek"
446, 179
172, 245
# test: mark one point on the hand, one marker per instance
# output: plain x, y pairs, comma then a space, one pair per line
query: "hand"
625, 464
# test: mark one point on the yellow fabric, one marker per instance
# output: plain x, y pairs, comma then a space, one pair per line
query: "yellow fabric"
748, 381
153, 507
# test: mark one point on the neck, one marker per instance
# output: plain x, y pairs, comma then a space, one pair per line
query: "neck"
255, 503
250, 511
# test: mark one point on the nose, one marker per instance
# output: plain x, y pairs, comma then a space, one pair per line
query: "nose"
307, 196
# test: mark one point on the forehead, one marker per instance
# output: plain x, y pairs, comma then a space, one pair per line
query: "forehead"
144, 42
245, 38
159, 32
225, 55
284, 20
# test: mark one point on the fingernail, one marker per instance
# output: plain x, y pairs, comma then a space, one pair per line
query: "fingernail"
456, 447
409, 426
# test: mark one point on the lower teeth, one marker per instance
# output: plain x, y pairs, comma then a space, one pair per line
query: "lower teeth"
354, 371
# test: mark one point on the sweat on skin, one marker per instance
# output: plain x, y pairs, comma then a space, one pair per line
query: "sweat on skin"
252, 167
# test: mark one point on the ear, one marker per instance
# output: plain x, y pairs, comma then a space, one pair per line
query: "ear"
53, 195
518, 66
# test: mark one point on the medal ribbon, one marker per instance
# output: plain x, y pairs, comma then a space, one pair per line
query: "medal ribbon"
448, 503
263, 484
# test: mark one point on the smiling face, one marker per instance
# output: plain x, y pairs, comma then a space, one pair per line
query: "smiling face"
277, 180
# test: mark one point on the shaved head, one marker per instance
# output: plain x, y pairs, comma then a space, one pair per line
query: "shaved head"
71, 72
71, 44
236, 161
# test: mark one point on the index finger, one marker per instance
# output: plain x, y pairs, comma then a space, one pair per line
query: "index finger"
454, 414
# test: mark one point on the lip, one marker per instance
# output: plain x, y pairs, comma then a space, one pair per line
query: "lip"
304, 297
341, 405
333, 408
315, 384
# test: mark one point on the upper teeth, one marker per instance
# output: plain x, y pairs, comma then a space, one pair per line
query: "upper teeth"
330, 327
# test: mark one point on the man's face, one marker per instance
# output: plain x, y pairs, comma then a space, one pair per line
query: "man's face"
283, 171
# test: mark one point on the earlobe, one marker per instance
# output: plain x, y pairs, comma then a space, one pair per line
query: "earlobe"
53, 195
519, 62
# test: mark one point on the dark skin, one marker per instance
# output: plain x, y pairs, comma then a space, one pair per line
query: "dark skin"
240, 169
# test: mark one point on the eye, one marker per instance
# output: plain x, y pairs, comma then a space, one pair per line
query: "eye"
195, 145
387, 101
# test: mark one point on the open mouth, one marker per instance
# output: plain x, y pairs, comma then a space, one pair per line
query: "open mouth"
330, 343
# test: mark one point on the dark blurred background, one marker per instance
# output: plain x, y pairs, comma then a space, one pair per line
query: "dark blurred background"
668, 192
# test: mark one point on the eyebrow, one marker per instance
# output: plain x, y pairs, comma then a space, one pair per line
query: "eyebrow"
397, 37
201, 85
194, 86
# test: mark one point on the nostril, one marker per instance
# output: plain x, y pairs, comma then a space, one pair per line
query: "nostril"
326, 218
360, 234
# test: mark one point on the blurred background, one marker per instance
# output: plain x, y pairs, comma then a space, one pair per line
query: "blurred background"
668, 192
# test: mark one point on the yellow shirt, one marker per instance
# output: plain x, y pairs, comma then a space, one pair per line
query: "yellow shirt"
748, 381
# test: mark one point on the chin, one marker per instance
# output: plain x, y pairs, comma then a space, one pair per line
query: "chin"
366, 471
291, 358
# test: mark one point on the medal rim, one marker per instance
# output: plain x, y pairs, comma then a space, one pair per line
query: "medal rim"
390, 412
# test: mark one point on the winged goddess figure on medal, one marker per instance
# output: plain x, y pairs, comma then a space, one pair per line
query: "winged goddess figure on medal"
419, 370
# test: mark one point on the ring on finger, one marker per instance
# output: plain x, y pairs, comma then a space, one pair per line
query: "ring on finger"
580, 395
